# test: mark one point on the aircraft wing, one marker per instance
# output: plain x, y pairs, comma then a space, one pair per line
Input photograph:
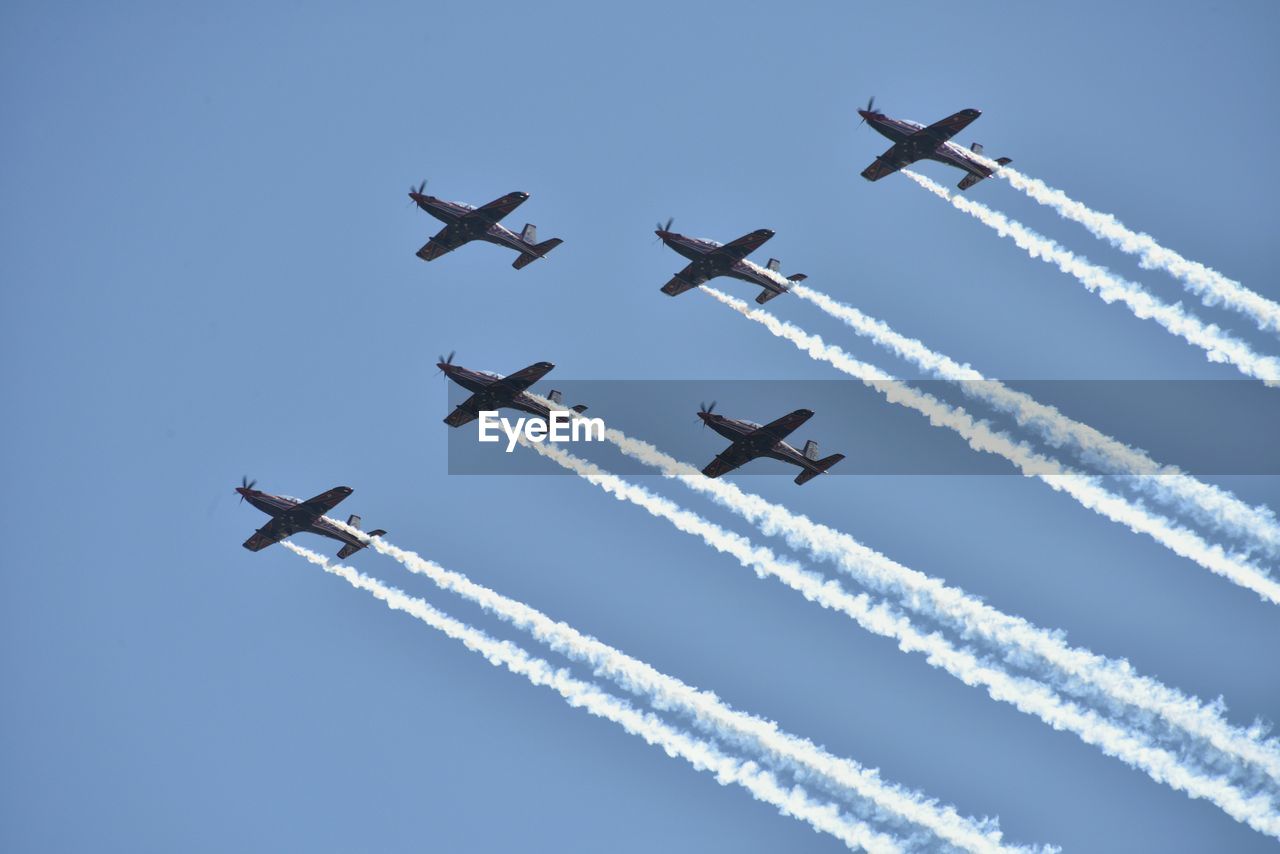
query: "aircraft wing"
463, 413
787, 424
449, 239
322, 503
526, 377
728, 460
272, 532
685, 280
498, 208
943, 130
746, 244
885, 164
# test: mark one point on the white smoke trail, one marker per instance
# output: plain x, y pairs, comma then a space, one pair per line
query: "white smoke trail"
1068, 667
1117, 681
981, 437
1207, 503
799, 756
702, 755
1218, 346
1211, 286
1028, 695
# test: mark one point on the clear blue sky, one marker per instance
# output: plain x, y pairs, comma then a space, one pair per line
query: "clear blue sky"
208, 271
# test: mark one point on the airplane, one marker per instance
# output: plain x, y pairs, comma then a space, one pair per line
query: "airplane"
913, 141
465, 223
490, 391
751, 440
709, 259
291, 516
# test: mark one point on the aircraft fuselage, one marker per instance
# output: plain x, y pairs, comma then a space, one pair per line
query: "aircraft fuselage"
493, 393
458, 214
281, 505
759, 442
901, 131
710, 262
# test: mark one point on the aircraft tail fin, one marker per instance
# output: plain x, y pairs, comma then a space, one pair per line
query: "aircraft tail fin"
353, 520
819, 466
530, 233
811, 450
539, 249
555, 397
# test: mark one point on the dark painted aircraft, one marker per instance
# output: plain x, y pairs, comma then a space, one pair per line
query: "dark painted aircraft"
913, 141
491, 391
464, 223
751, 440
291, 516
708, 259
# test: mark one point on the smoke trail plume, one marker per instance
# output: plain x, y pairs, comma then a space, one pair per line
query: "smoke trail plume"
1028, 695
1206, 503
1068, 668
981, 437
1218, 346
702, 755
799, 756
1212, 287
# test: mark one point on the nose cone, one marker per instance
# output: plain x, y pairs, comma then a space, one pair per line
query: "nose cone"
664, 235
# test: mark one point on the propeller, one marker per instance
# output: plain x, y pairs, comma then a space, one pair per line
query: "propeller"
871, 105
418, 189
245, 483
448, 360
660, 227
706, 409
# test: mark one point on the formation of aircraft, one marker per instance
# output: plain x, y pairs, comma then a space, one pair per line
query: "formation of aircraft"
464, 223
490, 391
913, 141
709, 259
752, 440
290, 516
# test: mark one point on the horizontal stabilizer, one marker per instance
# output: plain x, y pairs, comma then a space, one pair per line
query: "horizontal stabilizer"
580, 408
767, 294
539, 250
797, 277
819, 466
351, 548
